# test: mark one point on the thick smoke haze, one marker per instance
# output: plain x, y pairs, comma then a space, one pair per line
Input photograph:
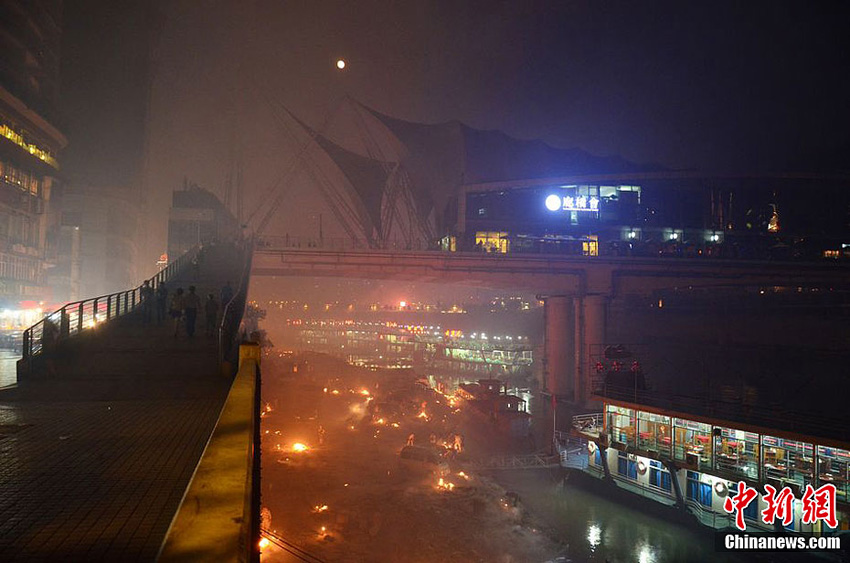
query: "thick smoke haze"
717, 87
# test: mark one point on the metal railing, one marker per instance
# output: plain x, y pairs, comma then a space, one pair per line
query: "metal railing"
231, 317
611, 249
339, 244
530, 461
588, 423
572, 451
74, 318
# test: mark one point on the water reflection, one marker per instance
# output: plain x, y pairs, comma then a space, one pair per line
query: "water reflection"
599, 529
594, 535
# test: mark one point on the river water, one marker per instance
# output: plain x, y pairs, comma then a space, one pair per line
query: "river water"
595, 528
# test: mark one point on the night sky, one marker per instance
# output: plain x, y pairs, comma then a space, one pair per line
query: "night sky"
720, 87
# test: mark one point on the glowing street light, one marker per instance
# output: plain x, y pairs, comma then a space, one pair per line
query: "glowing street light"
340, 64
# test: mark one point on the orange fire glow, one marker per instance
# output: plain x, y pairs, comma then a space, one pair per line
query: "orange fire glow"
299, 447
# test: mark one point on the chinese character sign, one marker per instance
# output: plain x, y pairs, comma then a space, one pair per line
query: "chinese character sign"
818, 504
572, 203
739, 502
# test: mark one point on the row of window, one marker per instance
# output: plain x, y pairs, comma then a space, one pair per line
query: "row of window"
20, 269
23, 179
659, 477
734, 452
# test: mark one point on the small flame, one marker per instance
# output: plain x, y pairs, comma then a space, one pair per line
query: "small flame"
264, 543
320, 508
299, 447
364, 392
335, 392
446, 485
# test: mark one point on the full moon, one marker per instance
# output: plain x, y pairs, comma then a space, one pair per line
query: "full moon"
340, 64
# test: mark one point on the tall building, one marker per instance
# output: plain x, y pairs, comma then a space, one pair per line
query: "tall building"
30, 145
103, 222
106, 70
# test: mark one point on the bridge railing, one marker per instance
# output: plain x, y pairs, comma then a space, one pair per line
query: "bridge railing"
234, 310
75, 318
611, 249
338, 244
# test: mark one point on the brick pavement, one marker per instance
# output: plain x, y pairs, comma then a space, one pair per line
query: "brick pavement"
94, 464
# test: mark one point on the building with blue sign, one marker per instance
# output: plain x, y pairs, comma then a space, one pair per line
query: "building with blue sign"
659, 213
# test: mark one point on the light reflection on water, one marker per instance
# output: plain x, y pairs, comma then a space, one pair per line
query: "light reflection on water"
8, 367
597, 529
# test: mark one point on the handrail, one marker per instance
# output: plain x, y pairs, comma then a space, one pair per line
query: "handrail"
78, 316
234, 309
637, 250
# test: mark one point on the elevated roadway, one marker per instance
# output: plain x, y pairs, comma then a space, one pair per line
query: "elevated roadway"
558, 274
576, 289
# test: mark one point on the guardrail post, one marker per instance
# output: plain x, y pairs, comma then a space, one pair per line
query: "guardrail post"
64, 323
108, 306
126, 297
27, 344
80, 317
94, 311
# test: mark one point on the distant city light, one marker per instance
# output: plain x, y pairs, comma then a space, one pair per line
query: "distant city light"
402, 304
340, 64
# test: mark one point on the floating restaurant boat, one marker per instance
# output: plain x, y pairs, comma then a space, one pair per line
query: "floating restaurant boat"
693, 453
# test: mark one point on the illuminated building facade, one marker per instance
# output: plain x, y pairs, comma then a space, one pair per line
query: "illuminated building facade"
446, 358
659, 213
30, 144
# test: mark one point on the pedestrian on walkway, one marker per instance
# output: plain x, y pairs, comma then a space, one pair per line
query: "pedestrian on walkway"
211, 311
226, 295
146, 295
191, 304
161, 302
176, 309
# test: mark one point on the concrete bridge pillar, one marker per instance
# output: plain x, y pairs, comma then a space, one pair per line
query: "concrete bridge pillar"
558, 345
591, 312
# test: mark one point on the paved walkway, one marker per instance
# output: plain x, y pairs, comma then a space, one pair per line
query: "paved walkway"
94, 463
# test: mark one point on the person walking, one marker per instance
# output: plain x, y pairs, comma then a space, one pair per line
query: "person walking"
226, 295
161, 302
146, 295
191, 304
176, 309
211, 311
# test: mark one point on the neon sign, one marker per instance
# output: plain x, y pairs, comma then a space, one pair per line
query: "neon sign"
555, 202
